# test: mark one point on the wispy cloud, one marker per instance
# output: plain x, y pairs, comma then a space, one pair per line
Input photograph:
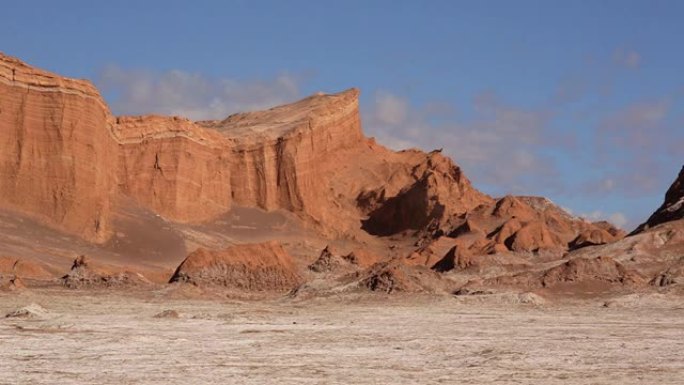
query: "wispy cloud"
632, 145
497, 145
192, 95
617, 218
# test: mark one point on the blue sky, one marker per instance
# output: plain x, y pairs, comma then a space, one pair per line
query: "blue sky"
579, 101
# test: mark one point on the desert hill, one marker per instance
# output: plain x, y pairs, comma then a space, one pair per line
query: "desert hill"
249, 202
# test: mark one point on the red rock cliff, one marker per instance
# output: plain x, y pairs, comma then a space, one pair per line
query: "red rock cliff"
55, 151
67, 158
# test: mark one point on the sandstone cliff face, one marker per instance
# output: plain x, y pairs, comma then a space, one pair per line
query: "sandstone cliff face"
56, 153
274, 159
673, 207
65, 158
277, 154
174, 167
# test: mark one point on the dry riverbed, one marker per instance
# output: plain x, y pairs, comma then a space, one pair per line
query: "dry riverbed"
72, 337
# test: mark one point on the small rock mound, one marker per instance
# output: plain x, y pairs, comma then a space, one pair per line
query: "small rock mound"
31, 311
670, 276
328, 261
361, 258
257, 267
21, 268
85, 274
512, 207
395, 276
603, 269
531, 299
12, 283
592, 237
168, 313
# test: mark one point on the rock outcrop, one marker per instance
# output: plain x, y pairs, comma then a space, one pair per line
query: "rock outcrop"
577, 275
56, 152
672, 208
437, 190
255, 267
85, 274
519, 224
395, 275
330, 261
67, 160
21, 268
673, 274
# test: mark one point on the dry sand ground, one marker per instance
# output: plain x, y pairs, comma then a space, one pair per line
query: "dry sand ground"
114, 338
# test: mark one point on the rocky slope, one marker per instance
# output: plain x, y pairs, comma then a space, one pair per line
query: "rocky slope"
648, 259
672, 208
309, 157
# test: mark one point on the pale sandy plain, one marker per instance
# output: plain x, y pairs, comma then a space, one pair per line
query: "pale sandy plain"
114, 338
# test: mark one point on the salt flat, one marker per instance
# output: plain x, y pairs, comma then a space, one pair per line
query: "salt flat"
114, 338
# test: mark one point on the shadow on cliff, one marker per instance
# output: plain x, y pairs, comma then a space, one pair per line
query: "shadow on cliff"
410, 210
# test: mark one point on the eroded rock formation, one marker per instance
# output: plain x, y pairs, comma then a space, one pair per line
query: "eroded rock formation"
258, 267
57, 155
62, 146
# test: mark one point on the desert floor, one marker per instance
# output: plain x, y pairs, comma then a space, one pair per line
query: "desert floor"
114, 338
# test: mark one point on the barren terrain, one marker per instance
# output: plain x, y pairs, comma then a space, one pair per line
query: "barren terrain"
115, 338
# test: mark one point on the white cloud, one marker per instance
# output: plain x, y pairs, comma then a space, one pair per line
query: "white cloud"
192, 95
617, 218
498, 145
607, 184
390, 109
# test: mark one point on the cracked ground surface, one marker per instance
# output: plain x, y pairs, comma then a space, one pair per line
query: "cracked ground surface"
115, 338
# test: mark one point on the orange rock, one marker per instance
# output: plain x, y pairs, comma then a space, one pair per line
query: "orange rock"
396, 276
23, 268
56, 151
511, 207
592, 237
362, 258
457, 258
85, 273
533, 237
262, 266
